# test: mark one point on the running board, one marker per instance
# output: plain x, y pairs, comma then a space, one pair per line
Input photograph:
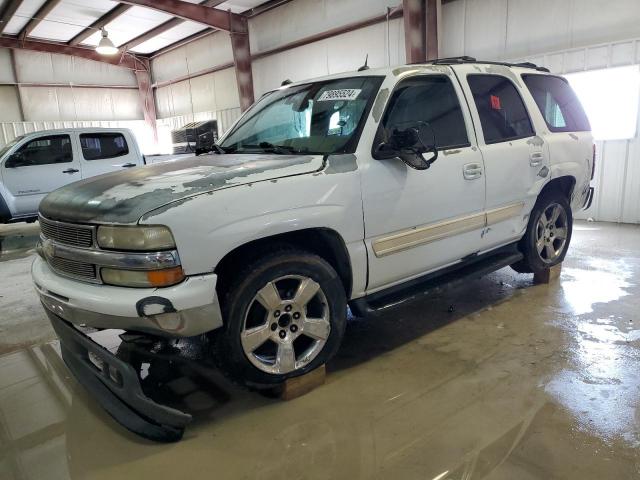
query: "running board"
471, 267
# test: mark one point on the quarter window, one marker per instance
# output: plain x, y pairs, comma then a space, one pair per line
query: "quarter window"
558, 104
96, 146
42, 151
503, 115
430, 99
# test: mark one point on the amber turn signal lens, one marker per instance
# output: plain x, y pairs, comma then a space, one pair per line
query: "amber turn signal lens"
142, 278
164, 278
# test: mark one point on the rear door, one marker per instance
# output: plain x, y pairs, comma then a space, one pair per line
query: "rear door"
37, 167
516, 159
103, 152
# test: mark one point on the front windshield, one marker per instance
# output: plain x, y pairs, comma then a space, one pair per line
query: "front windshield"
8, 146
321, 117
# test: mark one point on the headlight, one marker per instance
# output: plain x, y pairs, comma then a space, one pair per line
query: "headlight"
141, 278
135, 238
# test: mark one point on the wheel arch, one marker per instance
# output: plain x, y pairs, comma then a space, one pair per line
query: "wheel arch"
324, 242
564, 184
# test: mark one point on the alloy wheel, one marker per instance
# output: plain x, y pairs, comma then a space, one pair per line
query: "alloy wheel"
551, 233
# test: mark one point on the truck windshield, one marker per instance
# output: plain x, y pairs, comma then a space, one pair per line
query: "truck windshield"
322, 118
8, 146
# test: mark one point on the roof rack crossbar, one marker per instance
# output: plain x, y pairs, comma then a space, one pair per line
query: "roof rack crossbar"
467, 59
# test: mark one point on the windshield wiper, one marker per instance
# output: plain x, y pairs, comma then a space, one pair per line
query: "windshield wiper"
270, 147
218, 149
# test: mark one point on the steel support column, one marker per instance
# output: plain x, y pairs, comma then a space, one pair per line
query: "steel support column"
147, 99
420, 29
242, 60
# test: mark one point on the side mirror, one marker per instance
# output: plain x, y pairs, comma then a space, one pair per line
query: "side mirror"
15, 160
410, 141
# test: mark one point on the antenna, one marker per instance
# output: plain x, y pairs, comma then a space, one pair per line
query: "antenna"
365, 66
285, 82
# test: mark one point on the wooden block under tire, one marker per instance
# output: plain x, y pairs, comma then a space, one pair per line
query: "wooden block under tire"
298, 386
547, 275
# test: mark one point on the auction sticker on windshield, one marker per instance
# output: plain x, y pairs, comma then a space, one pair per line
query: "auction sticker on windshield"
341, 94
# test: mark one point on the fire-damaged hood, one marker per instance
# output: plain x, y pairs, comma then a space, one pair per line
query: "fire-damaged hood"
123, 197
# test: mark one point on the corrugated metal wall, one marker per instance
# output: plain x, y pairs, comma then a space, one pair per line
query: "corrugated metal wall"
566, 36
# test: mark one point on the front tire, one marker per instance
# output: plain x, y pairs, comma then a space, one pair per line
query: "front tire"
548, 233
284, 316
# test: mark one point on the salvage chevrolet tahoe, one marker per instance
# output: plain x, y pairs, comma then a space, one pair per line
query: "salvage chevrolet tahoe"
356, 190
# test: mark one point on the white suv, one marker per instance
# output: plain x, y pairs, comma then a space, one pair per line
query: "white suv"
34, 164
354, 189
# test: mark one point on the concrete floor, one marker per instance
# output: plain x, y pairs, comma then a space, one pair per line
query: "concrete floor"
516, 382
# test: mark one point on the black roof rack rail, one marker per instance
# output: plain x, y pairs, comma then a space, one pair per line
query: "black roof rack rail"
466, 59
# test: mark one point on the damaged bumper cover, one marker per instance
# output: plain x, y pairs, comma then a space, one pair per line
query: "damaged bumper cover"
187, 309
116, 386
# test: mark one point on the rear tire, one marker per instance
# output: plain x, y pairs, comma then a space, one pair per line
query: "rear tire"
548, 233
285, 315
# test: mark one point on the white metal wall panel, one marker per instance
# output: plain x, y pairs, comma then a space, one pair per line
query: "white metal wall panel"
65, 103
214, 91
6, 70
36, 67
10, 104
307, 17
499, 29
341, 53
207, 52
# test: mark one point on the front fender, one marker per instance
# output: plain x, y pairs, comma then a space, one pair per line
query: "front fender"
209, 226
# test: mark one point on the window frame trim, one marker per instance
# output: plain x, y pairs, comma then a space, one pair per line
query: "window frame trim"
80, 135
426, 75
524, 104
551, 128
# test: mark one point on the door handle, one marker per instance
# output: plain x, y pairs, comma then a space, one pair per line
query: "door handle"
535, 159
471, 171
128, 165
71, 170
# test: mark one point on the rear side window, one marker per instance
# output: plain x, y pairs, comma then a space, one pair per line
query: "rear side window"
96, 146
558, 103
431, 99
502, 112
42, 151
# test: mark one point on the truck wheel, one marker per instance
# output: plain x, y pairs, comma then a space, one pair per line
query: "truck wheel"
284, 316
548, 233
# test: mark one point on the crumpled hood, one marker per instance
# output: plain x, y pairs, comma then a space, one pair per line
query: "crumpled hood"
124, 196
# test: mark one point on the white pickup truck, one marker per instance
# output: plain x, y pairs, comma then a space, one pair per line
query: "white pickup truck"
35, 164
355, 189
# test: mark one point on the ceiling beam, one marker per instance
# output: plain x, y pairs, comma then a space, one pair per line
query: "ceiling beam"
127, 60
40, 15
100, 23
189, 11
163, 27
8, 12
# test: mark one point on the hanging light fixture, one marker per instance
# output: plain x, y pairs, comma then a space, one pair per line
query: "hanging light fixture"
106, 46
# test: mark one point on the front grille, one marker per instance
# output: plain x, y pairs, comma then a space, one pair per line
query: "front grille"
72, 268
67, 233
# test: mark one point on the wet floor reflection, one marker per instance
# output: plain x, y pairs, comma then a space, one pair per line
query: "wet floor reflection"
497, 379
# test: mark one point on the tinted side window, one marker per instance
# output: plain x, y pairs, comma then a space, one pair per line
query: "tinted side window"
502, 112
430, 99
96, 146
558, 103
42, 151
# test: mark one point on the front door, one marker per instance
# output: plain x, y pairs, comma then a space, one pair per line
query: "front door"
37, 167
515, 158
104, 152
420, 220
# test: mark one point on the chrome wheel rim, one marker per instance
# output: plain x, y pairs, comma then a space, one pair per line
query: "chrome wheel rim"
286, 324
551, 233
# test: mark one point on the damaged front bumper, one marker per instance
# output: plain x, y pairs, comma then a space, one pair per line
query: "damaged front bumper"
183, 310
116, 385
